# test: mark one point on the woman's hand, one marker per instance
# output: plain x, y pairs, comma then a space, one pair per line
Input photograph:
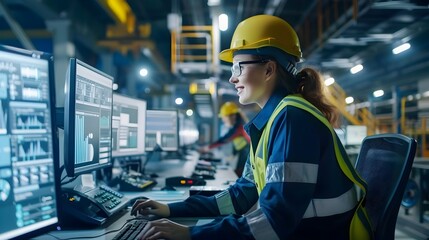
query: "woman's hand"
165, 229
150, 207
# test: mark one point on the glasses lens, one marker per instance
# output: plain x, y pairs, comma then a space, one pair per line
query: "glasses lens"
235, 70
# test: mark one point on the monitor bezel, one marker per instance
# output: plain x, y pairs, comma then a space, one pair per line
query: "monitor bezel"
54, 135
69, 121
177, 130
116, 154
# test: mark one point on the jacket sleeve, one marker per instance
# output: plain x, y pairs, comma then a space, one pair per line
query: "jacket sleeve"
237, 199
227, 137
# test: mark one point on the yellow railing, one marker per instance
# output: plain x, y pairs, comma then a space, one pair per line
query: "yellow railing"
192, 44
336, 96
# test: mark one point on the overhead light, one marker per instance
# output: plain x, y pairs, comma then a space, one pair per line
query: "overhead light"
189, 112
143, 72
349, 100
329, 81
223, 22
179, 101
356, 69
212, 3
115, 86
401, 48
378, 93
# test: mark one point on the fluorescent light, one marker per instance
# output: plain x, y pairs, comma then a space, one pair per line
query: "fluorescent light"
401, 48
329, 81
143, 72
179, 101
349, 100
356, 69
189, 112
378, 93
223, 22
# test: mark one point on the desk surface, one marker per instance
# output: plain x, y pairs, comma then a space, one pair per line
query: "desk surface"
165, 168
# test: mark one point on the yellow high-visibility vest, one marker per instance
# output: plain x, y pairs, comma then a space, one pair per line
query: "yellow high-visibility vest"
360, 227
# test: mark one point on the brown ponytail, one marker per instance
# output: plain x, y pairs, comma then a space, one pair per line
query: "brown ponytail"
310, 86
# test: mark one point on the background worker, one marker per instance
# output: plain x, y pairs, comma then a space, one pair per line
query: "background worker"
234, 120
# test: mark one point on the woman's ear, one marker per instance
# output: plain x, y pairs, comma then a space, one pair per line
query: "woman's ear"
270, 70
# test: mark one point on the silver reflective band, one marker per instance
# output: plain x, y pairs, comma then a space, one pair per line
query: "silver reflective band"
331, 206
248, 172
292, 172
224, 203
260, 226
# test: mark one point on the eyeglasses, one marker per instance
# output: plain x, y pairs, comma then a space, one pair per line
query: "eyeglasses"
236, 67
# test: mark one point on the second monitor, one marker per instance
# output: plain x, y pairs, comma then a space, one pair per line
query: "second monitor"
128, 126
162, 130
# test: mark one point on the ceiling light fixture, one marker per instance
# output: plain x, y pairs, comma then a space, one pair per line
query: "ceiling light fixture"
329, 81
349, 100
143, 72
378, 93
223, 22
356, 69
401, 48
179, 101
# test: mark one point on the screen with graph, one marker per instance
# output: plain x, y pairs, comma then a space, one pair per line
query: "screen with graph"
162, 129
28, 148
87, 119
128, 126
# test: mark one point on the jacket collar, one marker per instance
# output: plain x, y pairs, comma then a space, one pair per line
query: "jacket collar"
261, 119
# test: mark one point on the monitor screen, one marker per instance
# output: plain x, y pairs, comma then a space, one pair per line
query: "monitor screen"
128, 126
28, 146
87, 119
355, 134
162, 129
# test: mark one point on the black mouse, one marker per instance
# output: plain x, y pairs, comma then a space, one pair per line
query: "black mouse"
153, 175
168, 188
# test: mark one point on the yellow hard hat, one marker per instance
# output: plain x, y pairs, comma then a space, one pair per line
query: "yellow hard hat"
263, 31
228, 108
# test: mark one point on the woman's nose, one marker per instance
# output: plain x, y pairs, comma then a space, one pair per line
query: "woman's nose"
233, 79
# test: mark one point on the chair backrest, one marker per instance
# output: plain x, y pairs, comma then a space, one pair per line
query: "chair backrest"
385, 162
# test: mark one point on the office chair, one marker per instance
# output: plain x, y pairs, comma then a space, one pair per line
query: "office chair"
385, 162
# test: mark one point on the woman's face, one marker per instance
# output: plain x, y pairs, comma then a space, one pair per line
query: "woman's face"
250, 84
229, 120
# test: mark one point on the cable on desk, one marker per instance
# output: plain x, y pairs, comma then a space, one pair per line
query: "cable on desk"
99, 235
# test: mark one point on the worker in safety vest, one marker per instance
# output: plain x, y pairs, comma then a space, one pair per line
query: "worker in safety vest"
234, 119
296, 184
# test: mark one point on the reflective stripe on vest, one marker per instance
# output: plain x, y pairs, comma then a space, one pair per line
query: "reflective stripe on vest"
239, 143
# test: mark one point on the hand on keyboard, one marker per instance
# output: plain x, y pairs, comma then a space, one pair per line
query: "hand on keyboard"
150, 207
165, 229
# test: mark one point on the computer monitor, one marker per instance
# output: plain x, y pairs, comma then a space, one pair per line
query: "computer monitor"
29, 180
355, 134
162, 130
128, 126
87, 119
188, 132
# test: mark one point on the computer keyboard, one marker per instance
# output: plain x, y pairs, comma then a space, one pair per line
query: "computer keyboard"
131, 230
